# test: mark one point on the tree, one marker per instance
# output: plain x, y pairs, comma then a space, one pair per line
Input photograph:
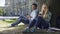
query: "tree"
1, 11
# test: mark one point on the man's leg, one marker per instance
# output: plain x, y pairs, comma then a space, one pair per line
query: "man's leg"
21, 19
31, 24
16, 23
38, 22
35, 25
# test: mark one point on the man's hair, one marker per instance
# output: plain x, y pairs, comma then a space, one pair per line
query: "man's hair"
34, 4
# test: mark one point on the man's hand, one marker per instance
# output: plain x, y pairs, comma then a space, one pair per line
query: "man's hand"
28, 16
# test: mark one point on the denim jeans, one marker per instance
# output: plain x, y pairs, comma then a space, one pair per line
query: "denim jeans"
41, 23
21, 19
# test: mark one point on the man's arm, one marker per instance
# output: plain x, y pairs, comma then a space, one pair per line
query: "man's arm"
34, 15
28, 16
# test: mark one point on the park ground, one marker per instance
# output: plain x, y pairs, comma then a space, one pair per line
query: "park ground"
18, 29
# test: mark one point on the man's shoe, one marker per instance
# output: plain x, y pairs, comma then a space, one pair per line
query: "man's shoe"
26, 30
33, 29
10, 26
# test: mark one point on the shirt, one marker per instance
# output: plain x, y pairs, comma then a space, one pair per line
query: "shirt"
48, 16
33, 14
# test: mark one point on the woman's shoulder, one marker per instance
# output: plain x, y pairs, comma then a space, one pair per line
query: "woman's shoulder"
49, 14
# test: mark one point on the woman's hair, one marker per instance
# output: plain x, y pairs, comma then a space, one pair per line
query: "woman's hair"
44, 5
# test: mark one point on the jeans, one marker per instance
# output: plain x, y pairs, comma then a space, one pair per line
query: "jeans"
32, 23
21, 19
41, 23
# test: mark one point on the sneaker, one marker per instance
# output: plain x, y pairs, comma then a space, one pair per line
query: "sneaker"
10, 26
26, 30
33, 29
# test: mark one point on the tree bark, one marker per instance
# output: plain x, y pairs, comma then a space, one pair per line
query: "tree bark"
54, 7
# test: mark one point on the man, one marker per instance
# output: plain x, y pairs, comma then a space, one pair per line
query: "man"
28, 18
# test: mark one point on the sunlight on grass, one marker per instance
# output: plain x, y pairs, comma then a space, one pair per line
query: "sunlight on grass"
3, 23
9, 20
6, 22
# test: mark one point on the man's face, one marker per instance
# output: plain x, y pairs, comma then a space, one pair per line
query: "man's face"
33, 7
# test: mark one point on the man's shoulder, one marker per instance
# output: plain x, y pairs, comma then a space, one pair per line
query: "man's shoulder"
37, 10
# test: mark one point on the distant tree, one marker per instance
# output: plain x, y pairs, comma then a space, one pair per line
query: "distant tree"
1, 11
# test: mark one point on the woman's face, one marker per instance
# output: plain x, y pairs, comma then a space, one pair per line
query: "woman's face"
44, 7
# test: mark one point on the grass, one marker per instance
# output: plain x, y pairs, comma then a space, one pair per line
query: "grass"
9, 20
6, 22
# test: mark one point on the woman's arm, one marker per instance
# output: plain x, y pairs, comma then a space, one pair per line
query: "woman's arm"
45, 14
40, 14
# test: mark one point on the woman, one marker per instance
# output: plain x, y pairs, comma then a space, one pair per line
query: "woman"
43, 19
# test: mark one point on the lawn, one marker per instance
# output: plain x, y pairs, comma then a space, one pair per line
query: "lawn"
9, 20
18, 29
6, 22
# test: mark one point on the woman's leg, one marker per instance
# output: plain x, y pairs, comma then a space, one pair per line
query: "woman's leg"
41, 23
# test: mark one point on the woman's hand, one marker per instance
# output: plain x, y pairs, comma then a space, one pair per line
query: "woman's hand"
45, 16
40, 14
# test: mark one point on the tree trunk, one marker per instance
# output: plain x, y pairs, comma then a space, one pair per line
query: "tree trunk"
53, 7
